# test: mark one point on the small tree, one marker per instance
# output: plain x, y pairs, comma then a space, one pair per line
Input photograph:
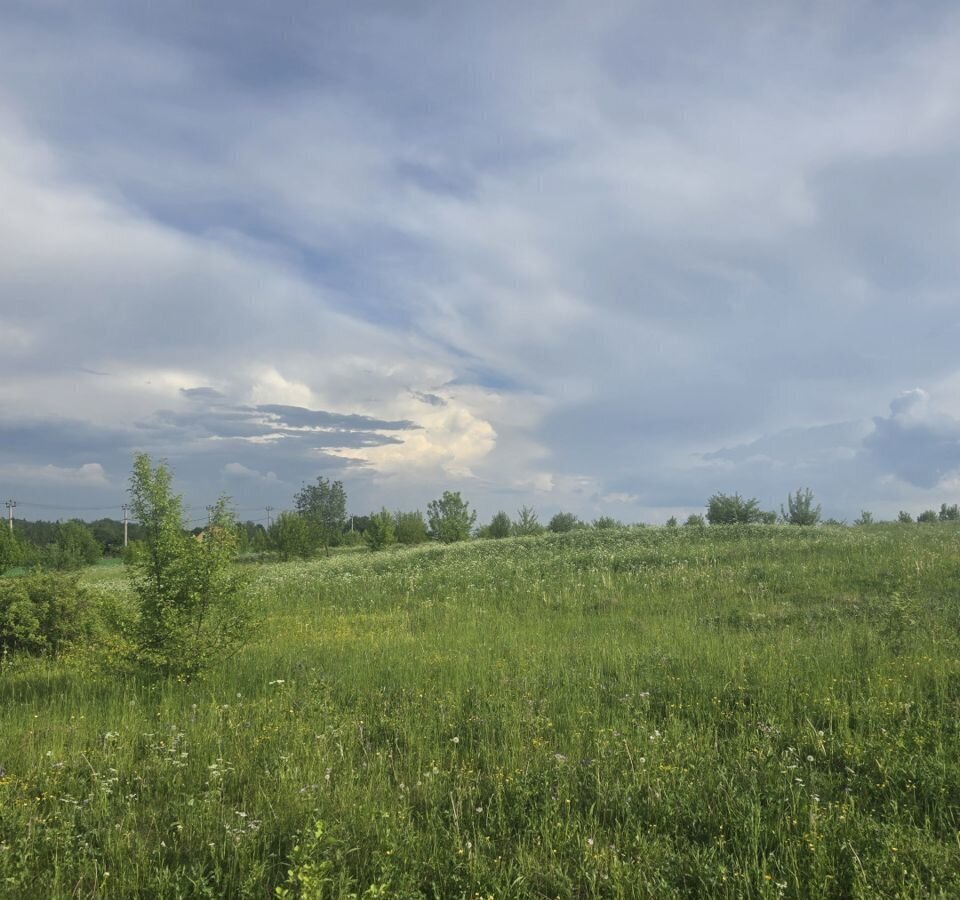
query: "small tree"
695, 521
410, 527
10, 552
380, 532
607, 523
192, 604
672, 522
527, 523
291, 535
928, 515
949, 513
500, 526
450, 518
732, 509
904, 518
865, 518
563, 522
800, 509
74, 547
324, 506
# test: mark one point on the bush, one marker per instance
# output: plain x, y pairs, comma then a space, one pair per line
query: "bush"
904, 518
928, 515
191, 597
73, 548
10, 550
949, 513
292, 535
732, 509
800, 509
380, 532
410, 527
450, 518
527, 523
43, 612
563, 522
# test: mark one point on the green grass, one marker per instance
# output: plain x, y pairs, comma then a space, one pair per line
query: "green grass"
744, 712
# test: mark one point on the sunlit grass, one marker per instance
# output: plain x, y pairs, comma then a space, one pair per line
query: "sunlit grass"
738, 712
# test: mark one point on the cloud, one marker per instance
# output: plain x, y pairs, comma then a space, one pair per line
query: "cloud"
636, 253
238, 470
87, 475
916, 442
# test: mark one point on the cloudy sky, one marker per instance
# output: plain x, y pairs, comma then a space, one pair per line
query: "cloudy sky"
606, 257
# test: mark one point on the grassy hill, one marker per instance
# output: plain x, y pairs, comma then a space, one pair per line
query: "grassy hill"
730, 712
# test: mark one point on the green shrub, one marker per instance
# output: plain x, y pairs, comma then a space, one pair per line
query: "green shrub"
44, 611
192, 599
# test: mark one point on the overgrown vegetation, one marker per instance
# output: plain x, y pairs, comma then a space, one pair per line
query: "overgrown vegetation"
731, 711
190, 596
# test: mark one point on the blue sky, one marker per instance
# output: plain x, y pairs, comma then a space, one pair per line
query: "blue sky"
608, 258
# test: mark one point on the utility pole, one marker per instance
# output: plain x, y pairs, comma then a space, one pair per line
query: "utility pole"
11, 506
269, 510
125, 508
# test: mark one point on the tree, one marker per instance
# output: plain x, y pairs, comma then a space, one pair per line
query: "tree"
192, 603
380, 532
527, 523
800, 509
291, 535
607, 523
74, 546
10, 552
410, 527
450, 518
500, 526
324, 506
865, 518
672, 522
563, 522
928, 515
949, 513
904, 517
695, 521
732, 509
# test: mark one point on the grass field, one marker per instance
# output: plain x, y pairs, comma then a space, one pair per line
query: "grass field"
742, 712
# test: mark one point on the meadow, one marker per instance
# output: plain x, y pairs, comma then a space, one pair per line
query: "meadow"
726, 712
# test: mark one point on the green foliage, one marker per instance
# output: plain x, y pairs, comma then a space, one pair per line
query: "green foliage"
732, 509
191, 598
904, 518
74, 547
380, 532
410, 527
43, 611
500, 526
291, 535
927, 516
949, 513
800, 509
768, 517
865, 518
695, 520
527, 523
324, 506
607, 523
563, 522
450, 518
527, 718
672, 522
10, 550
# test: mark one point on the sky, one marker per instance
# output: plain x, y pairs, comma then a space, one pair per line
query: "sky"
608, 258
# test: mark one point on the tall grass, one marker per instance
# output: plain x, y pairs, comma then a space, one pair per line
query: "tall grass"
743, 712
